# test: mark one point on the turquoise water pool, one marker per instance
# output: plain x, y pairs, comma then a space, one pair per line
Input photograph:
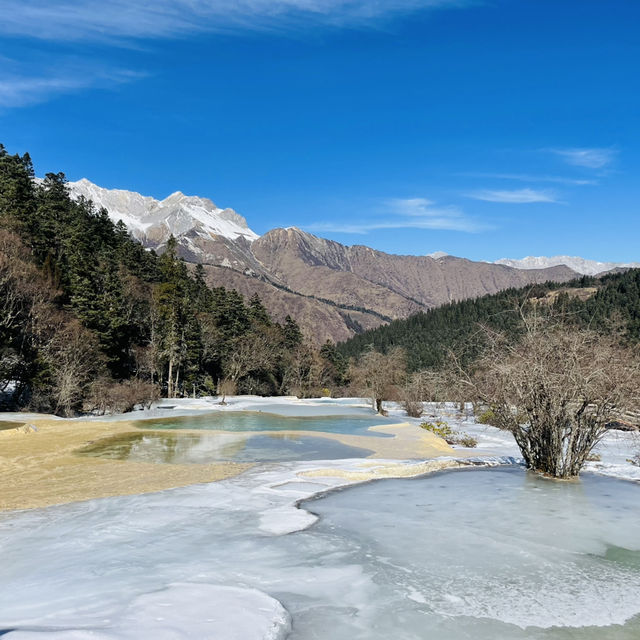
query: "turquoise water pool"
262, 421
188, 448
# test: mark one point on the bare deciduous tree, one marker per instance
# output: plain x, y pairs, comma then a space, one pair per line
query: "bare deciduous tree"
377, 375
251, 352
555, 389
422, 386
305, 372
73, 359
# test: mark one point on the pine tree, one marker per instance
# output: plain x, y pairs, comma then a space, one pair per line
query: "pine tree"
257, 311
292, 334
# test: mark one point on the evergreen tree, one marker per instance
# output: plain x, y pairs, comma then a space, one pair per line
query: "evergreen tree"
258, 313
291, 333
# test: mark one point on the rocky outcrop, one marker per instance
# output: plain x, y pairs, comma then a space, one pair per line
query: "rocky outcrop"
393, 285
330, 289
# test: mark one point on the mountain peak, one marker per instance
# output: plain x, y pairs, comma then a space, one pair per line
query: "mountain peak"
580, 265
152, 221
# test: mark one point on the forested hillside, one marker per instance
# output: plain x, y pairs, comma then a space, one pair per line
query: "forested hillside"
609, 303
89, 319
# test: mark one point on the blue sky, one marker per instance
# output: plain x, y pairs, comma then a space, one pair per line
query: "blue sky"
487, 129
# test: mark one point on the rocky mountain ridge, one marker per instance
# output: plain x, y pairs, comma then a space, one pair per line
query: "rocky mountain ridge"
331, 289
579, 265
152, 221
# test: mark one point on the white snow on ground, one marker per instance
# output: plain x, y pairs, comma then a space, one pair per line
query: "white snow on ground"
615, 449
64, 563
238, 614
282, 405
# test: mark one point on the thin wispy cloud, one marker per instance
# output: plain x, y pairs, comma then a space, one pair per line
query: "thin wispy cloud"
19, 88
407, 213
99, 20
594, 158
131, 22
526, 177
516, 196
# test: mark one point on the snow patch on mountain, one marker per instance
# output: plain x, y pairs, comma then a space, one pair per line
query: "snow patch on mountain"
580, 265
152, 221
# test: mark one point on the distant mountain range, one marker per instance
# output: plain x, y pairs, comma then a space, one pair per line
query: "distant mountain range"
579, 265
332, 290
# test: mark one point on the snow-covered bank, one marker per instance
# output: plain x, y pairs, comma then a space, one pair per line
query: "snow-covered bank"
75, 569
290, 406
615, 449
235, 559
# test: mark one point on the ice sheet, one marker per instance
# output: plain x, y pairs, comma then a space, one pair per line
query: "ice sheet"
483, 555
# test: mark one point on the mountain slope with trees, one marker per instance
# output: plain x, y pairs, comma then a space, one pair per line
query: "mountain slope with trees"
91, 319
347, 288
610, 303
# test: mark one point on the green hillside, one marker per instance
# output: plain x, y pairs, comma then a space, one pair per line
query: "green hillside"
608, 303
90, 319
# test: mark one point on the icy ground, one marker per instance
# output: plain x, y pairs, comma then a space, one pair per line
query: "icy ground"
452, 557
615, 449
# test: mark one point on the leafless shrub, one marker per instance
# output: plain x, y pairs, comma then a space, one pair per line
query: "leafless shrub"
108, 396
227, 387
378, 376
555, 389
414, 408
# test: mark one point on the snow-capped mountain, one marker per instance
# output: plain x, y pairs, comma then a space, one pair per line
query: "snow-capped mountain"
152, 221
331, 290
580, 265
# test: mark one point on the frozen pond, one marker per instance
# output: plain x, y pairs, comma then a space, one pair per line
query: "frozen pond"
356, 424
488, 554
483, 554
190, 448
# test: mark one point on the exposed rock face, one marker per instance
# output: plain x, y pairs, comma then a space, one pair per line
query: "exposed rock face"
152, 221
318, 320
330, 289
393, 285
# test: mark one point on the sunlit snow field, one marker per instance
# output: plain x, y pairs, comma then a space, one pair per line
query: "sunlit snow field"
479, 553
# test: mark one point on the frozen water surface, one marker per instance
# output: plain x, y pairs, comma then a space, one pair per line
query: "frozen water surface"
489, 555
354, 424
191, 448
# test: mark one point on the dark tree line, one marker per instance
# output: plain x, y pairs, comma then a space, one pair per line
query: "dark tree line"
86, 311
429, 337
